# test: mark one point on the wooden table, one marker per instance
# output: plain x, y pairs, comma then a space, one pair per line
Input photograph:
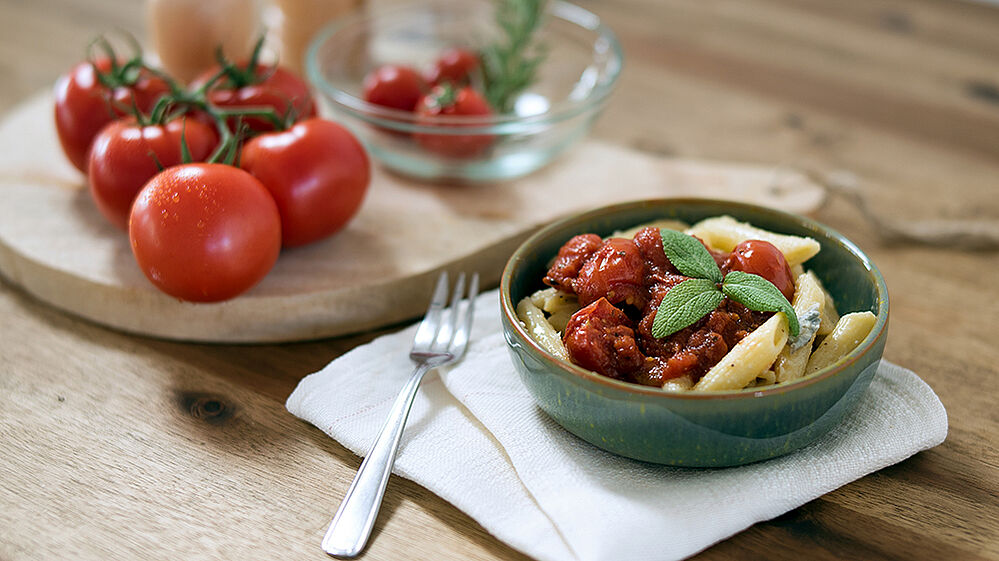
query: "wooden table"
116, 446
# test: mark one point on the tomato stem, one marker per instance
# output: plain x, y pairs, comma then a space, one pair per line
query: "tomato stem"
229, 122
119, 75
185, 150
242, 77
446, 96
203, 89
264, 112
184, 101
233, 149
156, 160
158, 113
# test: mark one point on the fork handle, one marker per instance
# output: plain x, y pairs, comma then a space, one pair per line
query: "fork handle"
353, 521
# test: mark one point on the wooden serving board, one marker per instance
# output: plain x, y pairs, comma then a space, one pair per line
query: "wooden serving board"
378, 271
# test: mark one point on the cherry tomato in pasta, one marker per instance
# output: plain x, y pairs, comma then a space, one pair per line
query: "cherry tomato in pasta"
764, 259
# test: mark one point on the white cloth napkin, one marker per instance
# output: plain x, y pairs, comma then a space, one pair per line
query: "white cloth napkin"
476, 439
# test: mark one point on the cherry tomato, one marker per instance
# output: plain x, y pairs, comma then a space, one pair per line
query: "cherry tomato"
83, 105
317, 173
267, 87
615, 272
453, 65
764, 259
446, 101
125, 156
204, 232
395, 86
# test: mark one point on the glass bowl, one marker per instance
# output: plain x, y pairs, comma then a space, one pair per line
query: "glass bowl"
573, 82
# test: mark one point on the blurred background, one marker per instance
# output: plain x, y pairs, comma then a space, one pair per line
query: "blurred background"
903, 94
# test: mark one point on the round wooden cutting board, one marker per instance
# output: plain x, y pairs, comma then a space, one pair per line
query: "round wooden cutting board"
378, 271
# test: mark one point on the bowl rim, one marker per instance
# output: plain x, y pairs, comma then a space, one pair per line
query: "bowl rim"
508, 307
406, 121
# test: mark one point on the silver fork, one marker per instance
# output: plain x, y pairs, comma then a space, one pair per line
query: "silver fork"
440, 339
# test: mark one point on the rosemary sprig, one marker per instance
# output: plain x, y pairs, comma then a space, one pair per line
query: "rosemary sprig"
509, 64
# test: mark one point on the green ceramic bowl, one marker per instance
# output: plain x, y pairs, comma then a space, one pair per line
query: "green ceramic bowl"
703, 429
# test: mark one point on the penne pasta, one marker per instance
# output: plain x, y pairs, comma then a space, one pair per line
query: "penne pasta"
808, 295
561, 318
849, 332
560, 302
541, 297
749, 358
830, 317
559, 305
768, 378
540, 330
724, 233
681, 384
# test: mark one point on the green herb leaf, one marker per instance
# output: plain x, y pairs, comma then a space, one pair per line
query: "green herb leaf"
759, 294
689, 256
185, 150
509, 64
684, 304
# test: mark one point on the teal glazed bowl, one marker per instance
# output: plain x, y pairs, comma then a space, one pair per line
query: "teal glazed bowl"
697, 429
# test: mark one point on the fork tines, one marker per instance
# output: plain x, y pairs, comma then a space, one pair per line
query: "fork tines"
446, 330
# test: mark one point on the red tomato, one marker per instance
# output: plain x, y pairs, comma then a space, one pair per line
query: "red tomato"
267, 87
446, 101
204, 232
318, 174
764, 259
83, 105
453, 65
126, 155
395, 86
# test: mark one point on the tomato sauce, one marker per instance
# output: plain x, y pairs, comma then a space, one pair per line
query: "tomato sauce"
620, 283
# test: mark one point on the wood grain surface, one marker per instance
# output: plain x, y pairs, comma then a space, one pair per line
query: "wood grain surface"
114, 446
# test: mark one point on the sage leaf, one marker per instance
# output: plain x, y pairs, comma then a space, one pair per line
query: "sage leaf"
684, 304
759, 294
689, 256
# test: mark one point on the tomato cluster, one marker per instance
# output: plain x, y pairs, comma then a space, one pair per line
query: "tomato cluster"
443, 90
212, 180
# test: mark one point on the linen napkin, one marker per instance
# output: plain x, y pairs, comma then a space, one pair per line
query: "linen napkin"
476, 438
